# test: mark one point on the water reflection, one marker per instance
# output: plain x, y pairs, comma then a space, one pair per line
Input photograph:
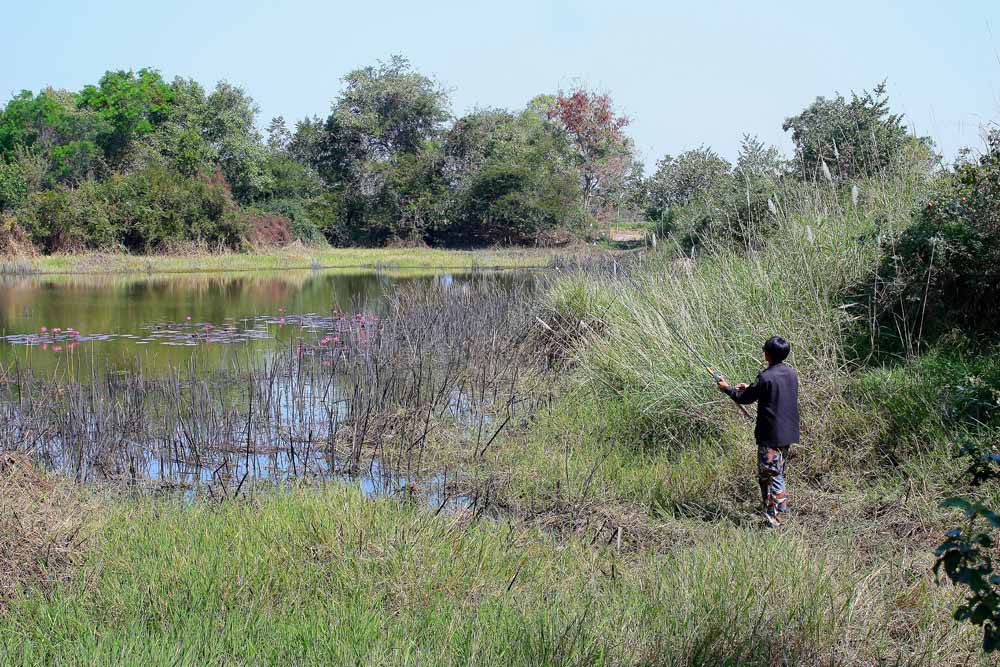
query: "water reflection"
73, 323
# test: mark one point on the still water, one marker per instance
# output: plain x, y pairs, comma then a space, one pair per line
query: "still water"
71, 324
315, 418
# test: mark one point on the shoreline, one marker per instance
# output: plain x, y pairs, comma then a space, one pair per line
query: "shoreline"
361, 259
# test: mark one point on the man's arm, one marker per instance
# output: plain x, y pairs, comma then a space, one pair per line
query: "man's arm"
742, 394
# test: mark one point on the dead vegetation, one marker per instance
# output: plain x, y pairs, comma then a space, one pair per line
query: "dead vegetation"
41, 521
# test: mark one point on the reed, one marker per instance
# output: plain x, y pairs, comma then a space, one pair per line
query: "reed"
442, 365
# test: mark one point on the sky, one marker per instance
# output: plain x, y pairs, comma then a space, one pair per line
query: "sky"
686, 73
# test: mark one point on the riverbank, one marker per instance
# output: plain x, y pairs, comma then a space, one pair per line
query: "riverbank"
295, 257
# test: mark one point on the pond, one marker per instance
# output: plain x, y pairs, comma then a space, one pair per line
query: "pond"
160, 322
205, 381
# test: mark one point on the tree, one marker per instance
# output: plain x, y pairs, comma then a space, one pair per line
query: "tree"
509, 177
305, 143
678, 181
604, 154
855, 138
758, 162
229, 127
13, 189
61, 138
278, 136
182, 140
132, 104
374, 140
389, 109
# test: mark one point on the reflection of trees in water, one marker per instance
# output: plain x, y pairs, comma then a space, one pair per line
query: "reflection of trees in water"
116, 304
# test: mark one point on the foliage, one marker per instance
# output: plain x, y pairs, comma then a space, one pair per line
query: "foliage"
229, 127
678, 181
943, 268
130, 105
374, 151
698, 196
13, 189
848, 139
53, 128
966, 556
952, 388
141, 211
387, 110
302, 226
603, 153
270, 230
506, 180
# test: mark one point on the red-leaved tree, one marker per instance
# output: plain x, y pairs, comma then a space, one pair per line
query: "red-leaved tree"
596, 133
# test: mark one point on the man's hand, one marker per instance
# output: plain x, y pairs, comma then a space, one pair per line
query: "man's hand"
723, 385
742, 385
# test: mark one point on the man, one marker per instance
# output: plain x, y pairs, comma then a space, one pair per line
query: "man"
776, 392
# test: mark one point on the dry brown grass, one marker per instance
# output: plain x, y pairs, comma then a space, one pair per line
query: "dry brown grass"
41, 521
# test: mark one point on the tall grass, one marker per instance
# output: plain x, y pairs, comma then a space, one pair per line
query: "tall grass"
799, 276
323, 576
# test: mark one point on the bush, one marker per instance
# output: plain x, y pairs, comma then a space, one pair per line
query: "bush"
698, 197
953, 387
141, 211
301, 227
944, 268
270, 230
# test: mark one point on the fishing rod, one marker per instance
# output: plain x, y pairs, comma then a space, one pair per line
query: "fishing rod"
717, 376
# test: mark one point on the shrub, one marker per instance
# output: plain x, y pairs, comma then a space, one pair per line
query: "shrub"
301, 227
13, 239
270, 230
141, 211
699, 197
943, 271
967, 555
924, 401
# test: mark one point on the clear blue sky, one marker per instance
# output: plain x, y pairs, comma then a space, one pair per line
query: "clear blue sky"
687, 73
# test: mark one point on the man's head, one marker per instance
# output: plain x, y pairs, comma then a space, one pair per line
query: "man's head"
776, 349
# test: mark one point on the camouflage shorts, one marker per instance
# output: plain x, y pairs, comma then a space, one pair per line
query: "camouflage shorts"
771, 477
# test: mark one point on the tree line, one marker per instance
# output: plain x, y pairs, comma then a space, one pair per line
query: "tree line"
139, 163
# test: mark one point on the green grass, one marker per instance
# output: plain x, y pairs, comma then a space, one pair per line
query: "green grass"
322, 575
292, 258
639, 450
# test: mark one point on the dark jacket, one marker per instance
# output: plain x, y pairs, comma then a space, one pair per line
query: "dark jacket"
777, 394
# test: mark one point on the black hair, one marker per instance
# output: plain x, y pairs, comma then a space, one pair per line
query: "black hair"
777, 349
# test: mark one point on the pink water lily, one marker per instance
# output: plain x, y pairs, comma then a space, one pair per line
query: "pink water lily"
43, 330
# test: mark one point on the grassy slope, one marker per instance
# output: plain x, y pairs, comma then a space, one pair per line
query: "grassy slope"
292, 258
